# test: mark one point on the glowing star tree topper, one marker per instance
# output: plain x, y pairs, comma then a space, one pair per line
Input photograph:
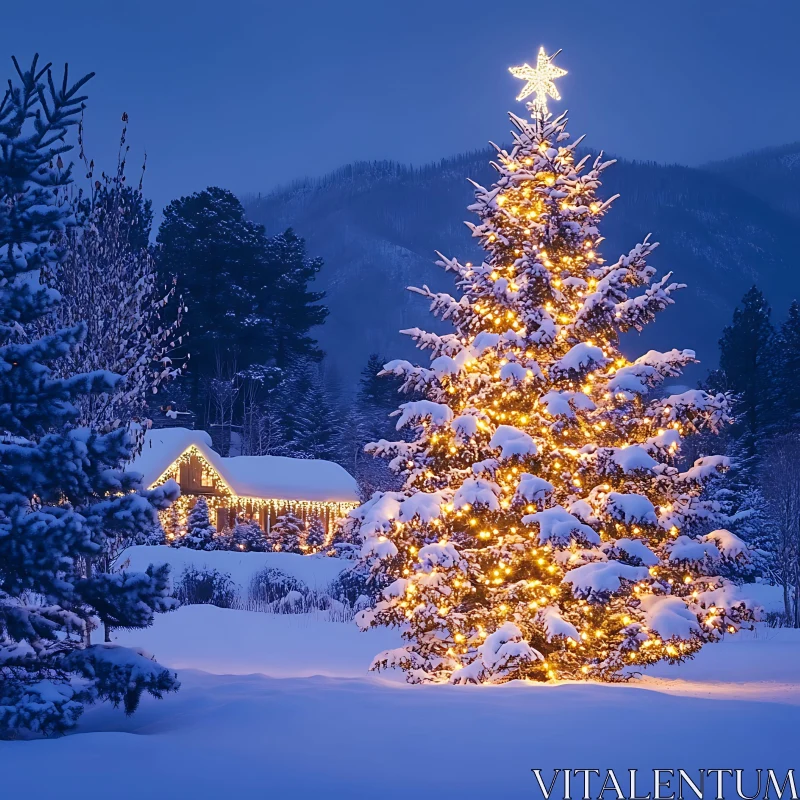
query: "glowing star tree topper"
539, 82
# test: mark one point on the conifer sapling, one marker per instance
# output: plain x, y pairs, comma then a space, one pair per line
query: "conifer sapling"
199, 530
287, 534
315, 537
246, 534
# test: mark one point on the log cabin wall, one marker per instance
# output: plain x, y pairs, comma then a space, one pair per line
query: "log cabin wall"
193, 479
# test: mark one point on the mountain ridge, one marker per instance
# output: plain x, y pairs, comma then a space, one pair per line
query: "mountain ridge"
378, 225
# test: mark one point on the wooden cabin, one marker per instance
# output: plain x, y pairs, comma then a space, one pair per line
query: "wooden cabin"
244, 487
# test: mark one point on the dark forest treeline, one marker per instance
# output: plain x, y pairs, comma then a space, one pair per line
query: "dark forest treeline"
759, 498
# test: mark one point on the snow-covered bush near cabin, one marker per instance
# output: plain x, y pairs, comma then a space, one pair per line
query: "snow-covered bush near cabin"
354, 587
274, 592
205, 586
287, 534
246, 535
315, 536
200, 533
270, 586
260, 582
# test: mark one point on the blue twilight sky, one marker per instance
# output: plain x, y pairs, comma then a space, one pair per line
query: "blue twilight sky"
249, 95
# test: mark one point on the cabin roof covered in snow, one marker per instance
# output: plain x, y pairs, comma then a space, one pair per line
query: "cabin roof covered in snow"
274, 477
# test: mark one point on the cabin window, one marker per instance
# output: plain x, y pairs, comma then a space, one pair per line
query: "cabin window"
206, 478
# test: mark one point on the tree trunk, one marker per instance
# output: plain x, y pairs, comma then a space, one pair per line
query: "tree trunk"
87, 636
796, 620
787, 605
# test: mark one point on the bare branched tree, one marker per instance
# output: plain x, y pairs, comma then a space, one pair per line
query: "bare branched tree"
106, 276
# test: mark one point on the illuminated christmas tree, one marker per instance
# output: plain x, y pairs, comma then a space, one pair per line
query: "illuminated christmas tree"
545, 529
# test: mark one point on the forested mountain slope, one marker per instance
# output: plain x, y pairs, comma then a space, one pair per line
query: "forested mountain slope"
378, 225
771, 174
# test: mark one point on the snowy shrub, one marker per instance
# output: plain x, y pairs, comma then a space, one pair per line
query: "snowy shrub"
293, 602
351, 585
270, 586
153, 535
274, 592
206, 587
200, 532
315, 536
777, 619
346, 550
246, 535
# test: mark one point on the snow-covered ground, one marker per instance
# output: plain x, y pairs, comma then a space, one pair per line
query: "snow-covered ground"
283, 706
226, 641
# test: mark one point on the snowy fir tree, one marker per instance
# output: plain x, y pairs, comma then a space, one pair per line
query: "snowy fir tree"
309, 416
200, 532
754, 523
174, 528
246, 534
544, 529
287, 534
151, 535
366, 420
62, 494
377, 397
315, 537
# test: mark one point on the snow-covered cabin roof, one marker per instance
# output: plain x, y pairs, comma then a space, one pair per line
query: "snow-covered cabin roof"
273, 477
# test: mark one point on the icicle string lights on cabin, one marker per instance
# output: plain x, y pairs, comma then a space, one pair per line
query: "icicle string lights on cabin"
545, 528
222, 497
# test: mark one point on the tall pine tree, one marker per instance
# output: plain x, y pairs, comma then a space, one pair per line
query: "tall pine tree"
247, 294
745, 355
309, 414
294, 308
62, 494
211, 248
786, 382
